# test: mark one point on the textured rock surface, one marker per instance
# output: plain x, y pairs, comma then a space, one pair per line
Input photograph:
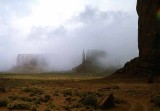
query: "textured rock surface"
148, 29
148, 39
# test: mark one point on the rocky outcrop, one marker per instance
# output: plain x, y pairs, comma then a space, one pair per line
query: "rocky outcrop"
30, 63
90, 62
23, 59
148, 39
30, 59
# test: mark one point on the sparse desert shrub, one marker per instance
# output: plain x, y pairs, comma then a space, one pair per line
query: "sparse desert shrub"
32, 94
108, 88
88, 108
20, 105
47, 109
26, 89
2, 89
119, 101
69, 99
13, 97
155, 100
116, 87
33, 108
24, 98
89, 100
45, 99
51, 105
77, 105
33, 90
56, 91
67, 108
36, 100
71, 92
99, 94
77, 93
3, 102
55, 94
67, 92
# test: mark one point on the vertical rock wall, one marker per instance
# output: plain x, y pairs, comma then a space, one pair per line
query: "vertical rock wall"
148, 29
148, 39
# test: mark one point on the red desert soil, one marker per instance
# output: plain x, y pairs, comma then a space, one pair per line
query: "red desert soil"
65, 95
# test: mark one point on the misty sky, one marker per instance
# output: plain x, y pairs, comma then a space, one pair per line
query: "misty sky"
61, 29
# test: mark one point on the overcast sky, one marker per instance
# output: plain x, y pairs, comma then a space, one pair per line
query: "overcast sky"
63, 28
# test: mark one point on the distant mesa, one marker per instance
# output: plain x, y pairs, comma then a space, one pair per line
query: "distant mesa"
30, 63
30, 59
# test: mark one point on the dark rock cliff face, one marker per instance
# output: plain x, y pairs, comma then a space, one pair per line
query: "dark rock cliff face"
148, 29
148, 39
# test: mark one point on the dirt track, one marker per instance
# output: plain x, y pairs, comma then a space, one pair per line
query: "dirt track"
136, 105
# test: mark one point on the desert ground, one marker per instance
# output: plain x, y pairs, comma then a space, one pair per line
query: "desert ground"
75, 92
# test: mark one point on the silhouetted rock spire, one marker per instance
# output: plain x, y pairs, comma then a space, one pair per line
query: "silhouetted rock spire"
83, 57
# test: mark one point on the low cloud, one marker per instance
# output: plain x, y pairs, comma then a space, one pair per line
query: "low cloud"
115, 32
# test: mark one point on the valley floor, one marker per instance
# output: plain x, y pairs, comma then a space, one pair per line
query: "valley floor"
46, 94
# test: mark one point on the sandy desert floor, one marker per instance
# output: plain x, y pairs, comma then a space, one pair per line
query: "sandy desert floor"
20, 94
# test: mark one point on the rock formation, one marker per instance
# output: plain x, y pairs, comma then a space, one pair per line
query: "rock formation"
148, 40
30, 63
108, 102
30, 59
90, 62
